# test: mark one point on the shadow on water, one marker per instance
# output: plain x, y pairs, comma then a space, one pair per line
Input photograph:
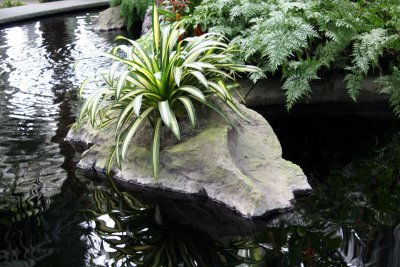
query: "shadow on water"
52, 216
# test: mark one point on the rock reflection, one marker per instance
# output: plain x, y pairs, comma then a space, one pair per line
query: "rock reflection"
127, 233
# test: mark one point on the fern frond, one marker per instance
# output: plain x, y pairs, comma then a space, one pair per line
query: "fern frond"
390, 84
296, 87
354, 82
299, 75
368, 47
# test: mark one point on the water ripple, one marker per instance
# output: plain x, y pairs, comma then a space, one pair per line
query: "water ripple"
37, 85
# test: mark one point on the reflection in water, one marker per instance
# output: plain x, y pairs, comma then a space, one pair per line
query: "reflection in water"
126, 233
49, 217
36, 81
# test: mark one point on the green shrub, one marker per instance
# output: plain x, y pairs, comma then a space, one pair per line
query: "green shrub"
300, 40
160, 85
10, 3
132, 10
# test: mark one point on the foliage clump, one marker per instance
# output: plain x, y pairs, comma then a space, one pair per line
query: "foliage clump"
11, 3
132, 10
160, 83
301, 40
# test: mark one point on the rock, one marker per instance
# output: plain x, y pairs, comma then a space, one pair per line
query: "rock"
238, 164
269, 92
147, 24
110, 19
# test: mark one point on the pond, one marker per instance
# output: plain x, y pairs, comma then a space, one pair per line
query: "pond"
50, 215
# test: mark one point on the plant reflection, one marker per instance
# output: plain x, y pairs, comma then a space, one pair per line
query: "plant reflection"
351, 219
127, 233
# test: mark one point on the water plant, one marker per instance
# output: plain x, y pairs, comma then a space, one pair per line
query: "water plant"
160, 85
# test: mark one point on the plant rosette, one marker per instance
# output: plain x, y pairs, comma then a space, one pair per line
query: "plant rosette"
161, 85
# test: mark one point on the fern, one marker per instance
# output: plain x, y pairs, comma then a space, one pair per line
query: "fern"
299, 75
132, 10
367, 49
390, 84
354, 81
302, 38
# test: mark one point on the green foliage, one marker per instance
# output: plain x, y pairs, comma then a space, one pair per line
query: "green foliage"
132, 10
301, 39
390, 84
161, 85
367, 49
10, 3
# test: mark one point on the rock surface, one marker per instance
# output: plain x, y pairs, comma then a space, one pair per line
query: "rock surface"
238, 164
110, 19
269, 92
147, 24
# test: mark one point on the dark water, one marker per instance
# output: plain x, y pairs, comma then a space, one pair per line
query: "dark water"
51, 215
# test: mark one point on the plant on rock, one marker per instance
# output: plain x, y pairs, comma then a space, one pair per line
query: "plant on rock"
160, 84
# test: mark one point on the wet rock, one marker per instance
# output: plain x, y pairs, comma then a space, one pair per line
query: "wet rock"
146, 26
238, 164
110, 19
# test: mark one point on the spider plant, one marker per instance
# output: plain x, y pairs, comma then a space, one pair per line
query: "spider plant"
159, 84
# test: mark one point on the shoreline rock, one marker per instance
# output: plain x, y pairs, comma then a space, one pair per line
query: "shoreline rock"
110, 19
238, 164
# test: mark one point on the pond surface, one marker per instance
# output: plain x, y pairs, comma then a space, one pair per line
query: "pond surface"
50, 215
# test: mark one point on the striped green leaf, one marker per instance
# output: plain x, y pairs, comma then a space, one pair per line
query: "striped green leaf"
132, 94
132, 130
118, 156
193, 91
165, 112
178, 75
156, 28
164, 46
199, 65
110, 160
120, 84
236, 110
223, 86
113, 71
174, 126
137, 104
124, 115
200, 77
155, 148
82, 86
189, 109
219, 90
142, 55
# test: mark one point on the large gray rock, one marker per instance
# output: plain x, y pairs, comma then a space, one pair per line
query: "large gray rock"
110, 19
238, 164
